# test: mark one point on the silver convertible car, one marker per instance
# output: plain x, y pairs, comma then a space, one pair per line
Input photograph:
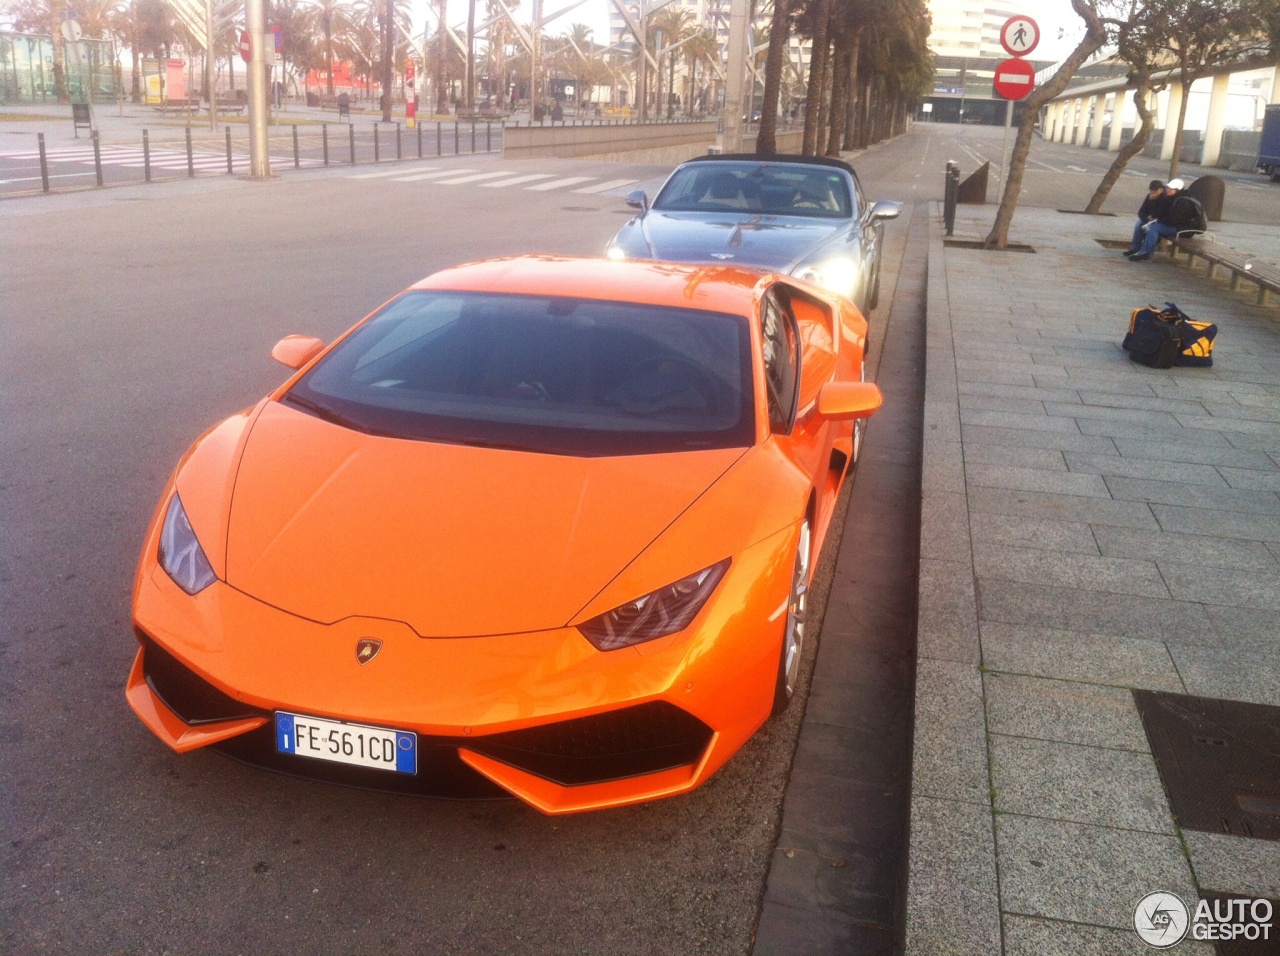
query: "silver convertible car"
798, 215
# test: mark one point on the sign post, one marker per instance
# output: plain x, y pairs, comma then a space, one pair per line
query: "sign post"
1015, 77
410, 96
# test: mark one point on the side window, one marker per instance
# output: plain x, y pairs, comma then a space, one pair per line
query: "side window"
781, 363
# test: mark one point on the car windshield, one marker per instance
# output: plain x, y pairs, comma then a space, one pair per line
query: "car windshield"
543, 374
760, 188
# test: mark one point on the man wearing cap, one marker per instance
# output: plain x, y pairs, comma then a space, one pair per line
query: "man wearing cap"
1152, 207
1182, 214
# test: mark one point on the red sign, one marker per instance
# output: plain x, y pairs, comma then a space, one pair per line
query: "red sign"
246, 47
279, 38
1019, 35
1014, 79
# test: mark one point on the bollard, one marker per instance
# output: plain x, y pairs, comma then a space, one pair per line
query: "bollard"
230, 168
97, 157
398, 154
473, 137
296, 162
351, 130
146, 155
419, 128
488, 137
456, 148
439, 140
324, 140
44, 163
951, 190
191, 164
376, 157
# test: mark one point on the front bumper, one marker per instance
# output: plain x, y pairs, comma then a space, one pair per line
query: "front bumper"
542, 716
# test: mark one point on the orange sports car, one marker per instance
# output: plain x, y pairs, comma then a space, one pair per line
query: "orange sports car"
538, 526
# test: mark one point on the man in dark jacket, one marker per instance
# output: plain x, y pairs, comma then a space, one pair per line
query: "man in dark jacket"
1152, 206
1182, 214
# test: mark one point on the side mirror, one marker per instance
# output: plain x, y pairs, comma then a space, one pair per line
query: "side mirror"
845, 400
636, 199
885, 209
296, 351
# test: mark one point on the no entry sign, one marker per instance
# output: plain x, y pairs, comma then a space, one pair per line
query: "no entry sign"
246, 46
1014, 79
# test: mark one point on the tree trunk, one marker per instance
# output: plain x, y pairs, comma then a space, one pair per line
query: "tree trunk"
817, 67
824, 106
388, 56
779, 33
470, 98
1131, 148
442, 51
1093, 39
851, 100
1182, 118
839, 94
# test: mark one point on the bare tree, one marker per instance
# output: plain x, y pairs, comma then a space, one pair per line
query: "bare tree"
1095, 35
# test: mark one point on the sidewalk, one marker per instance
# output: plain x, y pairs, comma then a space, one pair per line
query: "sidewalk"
1089, 527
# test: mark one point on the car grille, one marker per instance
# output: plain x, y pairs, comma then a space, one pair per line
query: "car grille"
187, 694
628, 742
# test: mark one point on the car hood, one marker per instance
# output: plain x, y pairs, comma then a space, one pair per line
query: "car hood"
771, 243
455, 541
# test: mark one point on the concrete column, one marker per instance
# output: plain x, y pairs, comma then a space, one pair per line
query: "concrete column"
1082, 117
1119, 113
1275, 86
1099, 114
1064, 112
1216, 122
1055, 121
1069, 127
1171, 120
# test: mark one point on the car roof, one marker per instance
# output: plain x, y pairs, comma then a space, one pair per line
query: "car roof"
712, 288
772, 159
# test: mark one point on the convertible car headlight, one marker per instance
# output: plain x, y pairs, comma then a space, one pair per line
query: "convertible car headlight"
657, 614
836, 275
615, 252
180, 553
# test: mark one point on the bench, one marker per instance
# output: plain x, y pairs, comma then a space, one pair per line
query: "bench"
1241, 265
230, 105
331, 103
482, 113
178, 106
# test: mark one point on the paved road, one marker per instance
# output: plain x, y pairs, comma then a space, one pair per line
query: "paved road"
154, 320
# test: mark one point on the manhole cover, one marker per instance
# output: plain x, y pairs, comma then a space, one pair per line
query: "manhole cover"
1219, 759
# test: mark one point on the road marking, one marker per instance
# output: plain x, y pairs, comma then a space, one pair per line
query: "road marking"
474, 177
1078, 169
389, 172
517, 180
558, 183
1052, 169
438, 172
611, 184
976, 157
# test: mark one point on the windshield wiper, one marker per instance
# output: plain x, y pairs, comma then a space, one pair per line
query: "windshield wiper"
324, 413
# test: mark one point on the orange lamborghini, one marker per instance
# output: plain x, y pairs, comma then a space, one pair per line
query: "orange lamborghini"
538, 526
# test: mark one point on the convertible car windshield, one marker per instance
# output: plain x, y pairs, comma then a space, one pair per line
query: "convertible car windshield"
554, 375
779, 190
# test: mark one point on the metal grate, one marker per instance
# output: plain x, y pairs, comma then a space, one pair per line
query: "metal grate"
1219, 760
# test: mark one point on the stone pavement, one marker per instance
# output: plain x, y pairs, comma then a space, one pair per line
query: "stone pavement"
1089, 526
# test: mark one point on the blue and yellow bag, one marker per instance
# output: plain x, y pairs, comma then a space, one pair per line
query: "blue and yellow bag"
1162, 338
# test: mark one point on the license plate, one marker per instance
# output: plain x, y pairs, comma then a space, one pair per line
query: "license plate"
355, 744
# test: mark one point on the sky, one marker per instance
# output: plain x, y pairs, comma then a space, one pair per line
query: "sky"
1053, 17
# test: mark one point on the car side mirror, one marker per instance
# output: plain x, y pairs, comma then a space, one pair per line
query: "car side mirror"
296, 351
846, 400
885, 209
636, 199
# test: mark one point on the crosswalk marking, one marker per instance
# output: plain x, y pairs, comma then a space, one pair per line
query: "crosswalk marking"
422, 176
517, 180
391, 172
559, 183
604, 187
474, 177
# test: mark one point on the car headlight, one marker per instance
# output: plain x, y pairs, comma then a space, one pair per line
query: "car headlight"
839, 275
657, 614
180, 553
615, 252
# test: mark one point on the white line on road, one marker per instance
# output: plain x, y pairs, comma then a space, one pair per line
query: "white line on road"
1052, 169
517, 180
611, 184
1078, 169
438, 172
474, 177
391, 172
976, 157
558, 183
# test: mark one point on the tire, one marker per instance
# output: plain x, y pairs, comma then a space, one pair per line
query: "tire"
794, 625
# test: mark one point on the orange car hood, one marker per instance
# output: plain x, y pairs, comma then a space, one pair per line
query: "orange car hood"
454, 541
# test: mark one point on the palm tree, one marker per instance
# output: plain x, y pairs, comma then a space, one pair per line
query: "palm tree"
703, 49
674, 24
442, 53
334, 18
